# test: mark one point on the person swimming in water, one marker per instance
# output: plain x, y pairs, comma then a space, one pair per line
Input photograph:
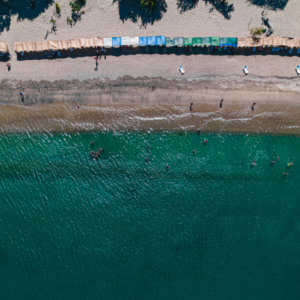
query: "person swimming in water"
146, 159
199, 131
285, 174
278, 158
148, 147
205, 142
194, 152
253, 163
272, 162
92, 143
289, 164
167, 167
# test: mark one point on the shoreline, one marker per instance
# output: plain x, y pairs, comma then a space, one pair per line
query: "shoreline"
152, 104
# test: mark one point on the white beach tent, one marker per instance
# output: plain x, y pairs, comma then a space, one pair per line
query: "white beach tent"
125, 41
107, 42
134, 41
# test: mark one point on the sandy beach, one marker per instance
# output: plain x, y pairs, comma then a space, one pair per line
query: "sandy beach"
142, 88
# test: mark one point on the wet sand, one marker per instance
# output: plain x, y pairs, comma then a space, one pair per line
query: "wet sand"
151, 104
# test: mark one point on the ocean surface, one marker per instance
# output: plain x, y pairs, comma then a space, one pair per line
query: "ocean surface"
212, 226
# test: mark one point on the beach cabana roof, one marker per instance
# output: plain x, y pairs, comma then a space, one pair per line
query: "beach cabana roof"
116, 42
3, 47
134, 41
29, 46
90, 42
107, 42
294, 43
197, 41
45, 45
82, 43
257, 42
53, 45
232, 42
151, 41
71, 44
215, 41
188, 42
223, 41
161, 40
268, 41
99, 42
206, 41
38, 46
125, 41
18, 47
179, 41
142, 41
241, 42
170, 42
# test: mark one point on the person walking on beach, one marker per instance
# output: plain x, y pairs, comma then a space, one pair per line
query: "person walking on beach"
191, 107
252, 106
22, 97
221, 103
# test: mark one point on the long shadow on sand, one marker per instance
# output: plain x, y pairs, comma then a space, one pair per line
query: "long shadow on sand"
223, 8
160, 50
23, 9
132, 10
270, 4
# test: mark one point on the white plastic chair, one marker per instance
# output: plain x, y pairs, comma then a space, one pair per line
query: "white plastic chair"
246, 70
298, 70
181, 70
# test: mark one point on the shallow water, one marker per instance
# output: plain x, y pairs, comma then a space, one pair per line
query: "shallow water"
211, 227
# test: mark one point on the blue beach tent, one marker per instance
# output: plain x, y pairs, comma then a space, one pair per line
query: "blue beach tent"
142, 41
116, 42
161, 40
151, 41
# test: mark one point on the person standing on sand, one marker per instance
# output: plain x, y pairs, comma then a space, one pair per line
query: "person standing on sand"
22, 97
252, 106
221, 103
191, 107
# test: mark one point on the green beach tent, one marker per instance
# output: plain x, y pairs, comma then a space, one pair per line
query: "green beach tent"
197, 41
188, 42
206, 41
232, 42
215, 41
170, 42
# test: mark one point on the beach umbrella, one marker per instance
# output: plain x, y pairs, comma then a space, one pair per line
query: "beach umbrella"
151, 41
107, 42
116, 42
161, 40
142, 41
197, 41
188, 42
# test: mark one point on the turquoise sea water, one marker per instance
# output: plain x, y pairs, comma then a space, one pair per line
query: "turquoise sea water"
210, 227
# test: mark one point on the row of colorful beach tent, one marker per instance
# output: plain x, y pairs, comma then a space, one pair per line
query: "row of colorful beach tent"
268, 42
124, 41
154, 41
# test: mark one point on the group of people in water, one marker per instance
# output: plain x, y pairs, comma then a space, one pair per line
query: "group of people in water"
273, 162
98, 154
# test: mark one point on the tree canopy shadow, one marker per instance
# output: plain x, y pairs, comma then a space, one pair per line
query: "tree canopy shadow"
131, 9
270, 4
184, 5
22, 8
224, 8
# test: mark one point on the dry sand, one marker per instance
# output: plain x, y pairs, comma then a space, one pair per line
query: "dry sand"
123, 92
